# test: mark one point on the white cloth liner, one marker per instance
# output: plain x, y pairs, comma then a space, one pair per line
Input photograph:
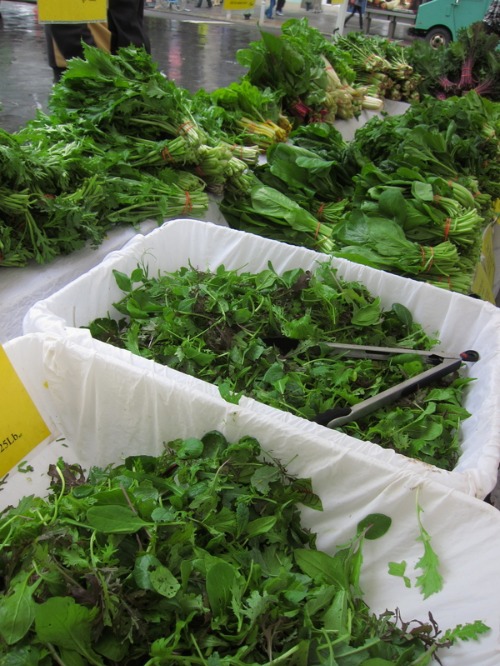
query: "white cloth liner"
106, 409
461, 323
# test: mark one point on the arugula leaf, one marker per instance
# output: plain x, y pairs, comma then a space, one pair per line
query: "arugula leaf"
430, 581
17, 611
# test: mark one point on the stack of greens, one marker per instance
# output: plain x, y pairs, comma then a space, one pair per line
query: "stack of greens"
312, 77
409, 194
265, 336
194, 557
243, 112
69, 177
471, 62
423, 194
382, 65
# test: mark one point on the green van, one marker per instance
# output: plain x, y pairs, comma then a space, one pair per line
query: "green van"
438, 21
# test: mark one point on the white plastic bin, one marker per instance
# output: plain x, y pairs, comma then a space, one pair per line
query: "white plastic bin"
103, 409
461, 323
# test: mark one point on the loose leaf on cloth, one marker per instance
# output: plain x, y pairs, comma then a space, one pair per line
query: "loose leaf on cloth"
430, 581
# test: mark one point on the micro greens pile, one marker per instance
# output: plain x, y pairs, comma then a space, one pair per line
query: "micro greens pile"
262, 335
194, 557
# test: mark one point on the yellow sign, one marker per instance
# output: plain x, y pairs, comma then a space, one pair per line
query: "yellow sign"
238, 5
72, 11
481, 285
21, 425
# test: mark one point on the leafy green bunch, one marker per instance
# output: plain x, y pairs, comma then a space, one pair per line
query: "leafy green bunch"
382, 65
194, 557
470, 62
297, 65
125, 92
243, 114
57, 194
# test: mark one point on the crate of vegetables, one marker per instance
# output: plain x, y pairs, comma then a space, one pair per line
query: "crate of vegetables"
252, 320
159, 525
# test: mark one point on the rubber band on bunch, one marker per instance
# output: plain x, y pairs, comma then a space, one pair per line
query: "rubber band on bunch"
447, 226
188, 205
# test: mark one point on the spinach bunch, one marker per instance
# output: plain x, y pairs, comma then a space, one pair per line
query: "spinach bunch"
265, 336
196, 556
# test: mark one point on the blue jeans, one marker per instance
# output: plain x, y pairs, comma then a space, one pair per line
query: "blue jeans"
269, 10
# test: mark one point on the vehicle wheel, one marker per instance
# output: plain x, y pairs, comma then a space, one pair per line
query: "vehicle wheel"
438, 37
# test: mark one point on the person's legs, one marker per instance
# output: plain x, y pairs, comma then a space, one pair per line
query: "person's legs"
126, 23
64, 41
269, 10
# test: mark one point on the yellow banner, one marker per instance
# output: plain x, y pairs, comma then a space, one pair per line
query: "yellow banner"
21, 425
238, 5
72, 11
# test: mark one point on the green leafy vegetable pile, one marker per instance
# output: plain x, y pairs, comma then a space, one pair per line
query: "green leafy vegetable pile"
383, 66
121, 146
471, 62
301, 65
263, 336
194, 557
410, 194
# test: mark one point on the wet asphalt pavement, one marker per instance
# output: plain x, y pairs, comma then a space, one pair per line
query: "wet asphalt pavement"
194, 47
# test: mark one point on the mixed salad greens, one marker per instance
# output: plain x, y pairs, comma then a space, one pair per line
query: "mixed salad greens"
195, 557
265, 336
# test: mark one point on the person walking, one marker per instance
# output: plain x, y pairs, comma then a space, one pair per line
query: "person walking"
209, 4
356, 7
492, 18
279, 7
270, 9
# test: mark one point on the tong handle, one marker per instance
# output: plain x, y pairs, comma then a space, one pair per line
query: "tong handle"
338, 416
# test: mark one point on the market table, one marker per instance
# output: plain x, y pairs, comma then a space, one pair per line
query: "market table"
394, 17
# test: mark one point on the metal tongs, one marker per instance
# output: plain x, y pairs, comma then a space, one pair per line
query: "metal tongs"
441, 365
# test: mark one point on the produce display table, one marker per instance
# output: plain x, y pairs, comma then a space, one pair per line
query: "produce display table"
20, 288
392, 15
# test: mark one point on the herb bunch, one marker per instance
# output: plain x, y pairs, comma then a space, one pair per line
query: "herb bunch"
197, 556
